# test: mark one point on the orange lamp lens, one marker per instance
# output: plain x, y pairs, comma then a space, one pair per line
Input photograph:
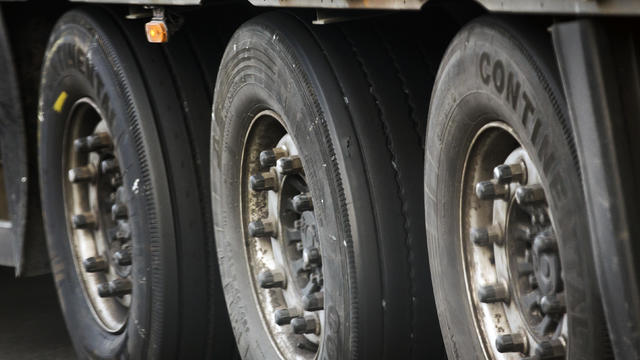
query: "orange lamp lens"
156, 31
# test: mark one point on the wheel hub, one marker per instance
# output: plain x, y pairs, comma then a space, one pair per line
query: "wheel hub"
513, 266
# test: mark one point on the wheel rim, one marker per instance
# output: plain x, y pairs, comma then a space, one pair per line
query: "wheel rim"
97, 216
512, 263
282, 249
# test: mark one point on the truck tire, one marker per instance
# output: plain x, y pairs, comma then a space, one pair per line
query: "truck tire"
507, 231
124, 206
319, 231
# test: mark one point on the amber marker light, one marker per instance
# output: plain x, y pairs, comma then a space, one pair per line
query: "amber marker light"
156, 31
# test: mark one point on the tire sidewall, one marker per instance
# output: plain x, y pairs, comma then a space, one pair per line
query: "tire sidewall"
463, 102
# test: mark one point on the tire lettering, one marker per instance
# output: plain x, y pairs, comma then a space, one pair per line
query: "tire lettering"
513, 90
528, 108
484, 59
498, 76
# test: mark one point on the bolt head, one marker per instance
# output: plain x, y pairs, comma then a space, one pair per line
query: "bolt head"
490, 190
529, 194
493, 293
263, 182
289, 165
511, 343
507, 173
302, 202
486, 236
550, 349
272, 278
262, 228
82, 174
123, 256
285, 315
305, 325
313, 302
95, 264
83, 221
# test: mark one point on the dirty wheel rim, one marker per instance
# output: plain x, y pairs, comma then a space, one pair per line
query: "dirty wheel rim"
510, 251
97, 215
282, 247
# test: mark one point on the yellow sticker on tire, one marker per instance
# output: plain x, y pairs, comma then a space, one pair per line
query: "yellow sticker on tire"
57, 106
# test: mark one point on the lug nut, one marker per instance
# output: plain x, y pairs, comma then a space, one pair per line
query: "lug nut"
108, 166
95, 264
93, 142
269, 279
122, 232
289, 165
529, 194
549, 349
284, 316
117, 287
268, 158
123, 256
489, 190
263, 181
505, 174
545, 241
533, 281
511, 343
119, 211
115, 180
311, 256
551, 304
524, 268
83, 221
493, 293
262, 228
82, 174
302, 202
305, 325
313, 302
486, 236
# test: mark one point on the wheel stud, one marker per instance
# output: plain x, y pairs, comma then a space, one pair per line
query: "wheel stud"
284, 316
486, 236
511, 343
489, 190
263, 181
262, 228
117, 287
493, 293
545, 241
551, 304
82, 174
83, 221
505, 174
305, 325
93, 142
550, 349
119, 211
108, 166
302, 202
313, 302
289, 165
95, 264
269, 279
268, 158
123, 256
529, 194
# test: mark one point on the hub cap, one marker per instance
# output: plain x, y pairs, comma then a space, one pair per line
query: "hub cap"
282, 246
97, 216
512, 264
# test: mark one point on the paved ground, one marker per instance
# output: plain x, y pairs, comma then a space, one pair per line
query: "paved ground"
31, 325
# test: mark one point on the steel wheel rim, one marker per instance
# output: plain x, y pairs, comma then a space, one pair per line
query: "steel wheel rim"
501, 281
96, 215
292, 321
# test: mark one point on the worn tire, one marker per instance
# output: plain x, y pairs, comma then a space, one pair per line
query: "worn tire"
355, 110
466, 97
152, 112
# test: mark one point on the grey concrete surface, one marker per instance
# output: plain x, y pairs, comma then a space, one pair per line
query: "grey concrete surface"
31, 324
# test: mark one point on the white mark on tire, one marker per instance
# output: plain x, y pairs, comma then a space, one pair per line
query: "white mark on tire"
23, 179
136, 186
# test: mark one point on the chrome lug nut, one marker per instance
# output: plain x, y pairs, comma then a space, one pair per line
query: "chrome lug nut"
116, 180
268, 158
264, 181
83, 221
274, 278
311, 256
289, 165
95, 264
262, 228
493, 293
284, 316
529, 194
545, 241
551, 304
511, 343
313, 302
119, 211
505, 173
486, 236
108, 166
117, 287
305, 325
302, 202
123, 256
490, 190
122, 232
93, 142
550, 349
82, 174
